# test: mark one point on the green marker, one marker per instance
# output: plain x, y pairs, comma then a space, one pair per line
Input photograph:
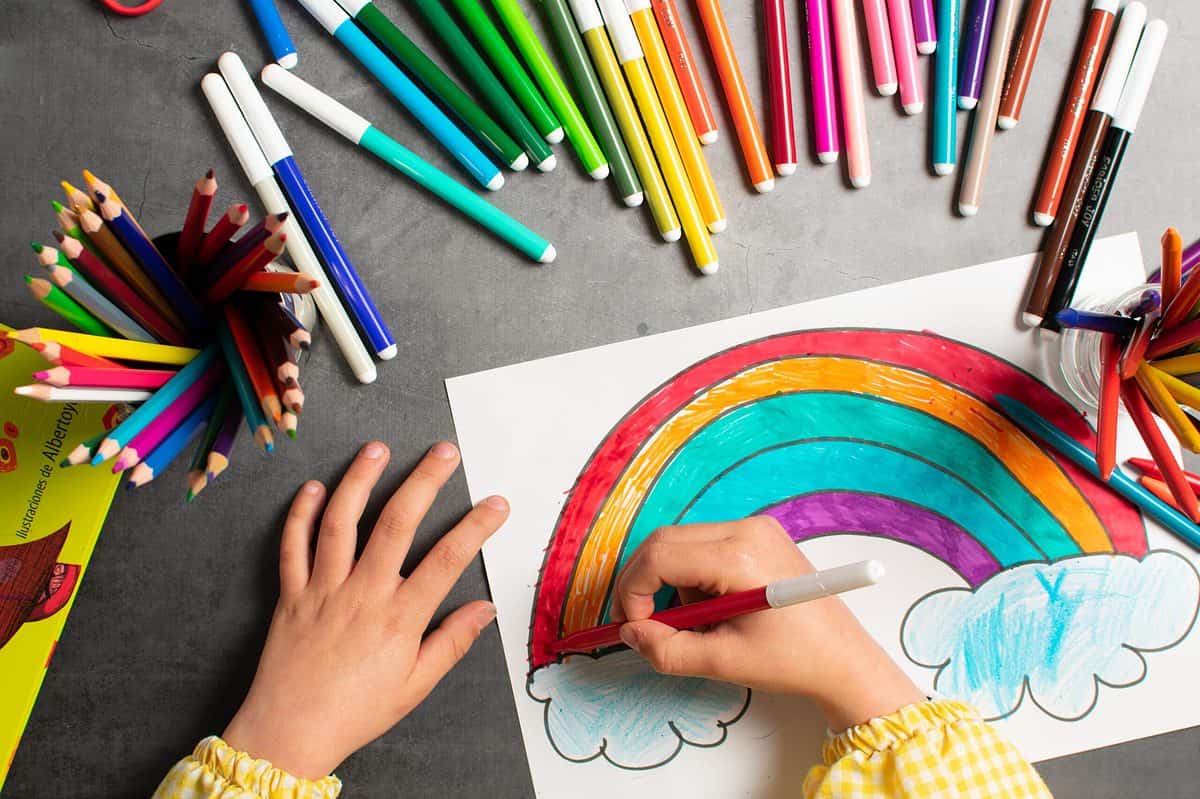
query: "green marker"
571, 45
488, 84
551, 83
439, 84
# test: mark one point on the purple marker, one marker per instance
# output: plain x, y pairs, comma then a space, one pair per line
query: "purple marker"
924, 27
820, 56
972, 52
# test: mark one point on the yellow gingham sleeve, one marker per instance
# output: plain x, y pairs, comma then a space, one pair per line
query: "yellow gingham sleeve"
930, 749
215, 770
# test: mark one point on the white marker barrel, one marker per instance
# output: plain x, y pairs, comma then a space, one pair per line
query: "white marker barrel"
1141, 75
229, 117
315, 102
837, 580
258, 116
1120, 58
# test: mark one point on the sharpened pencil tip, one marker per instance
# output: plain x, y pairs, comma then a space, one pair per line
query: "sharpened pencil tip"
291, 434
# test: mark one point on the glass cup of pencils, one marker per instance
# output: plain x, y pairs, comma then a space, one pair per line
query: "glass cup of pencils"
1079, 358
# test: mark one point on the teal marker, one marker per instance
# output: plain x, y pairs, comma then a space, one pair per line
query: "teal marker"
945, 89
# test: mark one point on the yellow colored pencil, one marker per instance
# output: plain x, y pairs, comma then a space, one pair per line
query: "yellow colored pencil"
77, 196
1164, 402
103, 347
1180, 364
1182, 391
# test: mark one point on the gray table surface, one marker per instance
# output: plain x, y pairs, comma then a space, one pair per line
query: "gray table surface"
167, 627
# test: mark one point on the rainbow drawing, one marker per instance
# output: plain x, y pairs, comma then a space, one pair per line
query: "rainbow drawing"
882, 433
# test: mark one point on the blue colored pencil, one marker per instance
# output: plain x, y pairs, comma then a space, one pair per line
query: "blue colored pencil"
123, 433
338, 23
1099, 322
161, 456
312, 218
251, 408
1161, 512
945, 89
282, 48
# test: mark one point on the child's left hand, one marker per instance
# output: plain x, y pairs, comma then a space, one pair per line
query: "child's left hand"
344, 659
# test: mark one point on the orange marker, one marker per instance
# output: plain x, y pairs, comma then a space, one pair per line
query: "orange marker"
684, 64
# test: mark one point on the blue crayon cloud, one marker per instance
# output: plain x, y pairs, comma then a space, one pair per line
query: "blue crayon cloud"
618, 708
1054, 631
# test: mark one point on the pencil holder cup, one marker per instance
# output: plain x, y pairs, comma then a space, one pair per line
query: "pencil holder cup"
1079, 358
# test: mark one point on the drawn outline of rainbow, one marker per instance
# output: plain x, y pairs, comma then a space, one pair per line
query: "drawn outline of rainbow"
865, 431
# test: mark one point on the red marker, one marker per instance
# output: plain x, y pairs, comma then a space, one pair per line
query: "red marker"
781, 594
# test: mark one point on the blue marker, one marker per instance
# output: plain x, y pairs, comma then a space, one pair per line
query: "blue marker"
945, 89
312, 218
282, 49
1100, 322
337, 22
1155, 508
170, 447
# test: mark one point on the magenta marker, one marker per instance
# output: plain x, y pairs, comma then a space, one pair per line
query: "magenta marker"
824, 96
924, 26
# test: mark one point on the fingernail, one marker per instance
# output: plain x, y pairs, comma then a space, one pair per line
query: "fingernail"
373, 451
485, 615
496, 503
629, 634
444, 450
312, 487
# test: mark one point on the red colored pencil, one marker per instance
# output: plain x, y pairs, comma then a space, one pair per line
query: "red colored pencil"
1147, 466
1143, 419
104, 378
195, 222
253, 262
1110, 400
1172, 265
252, 359
280, 283
246, 242
1173, 339
1183, 303
1135, 349
228, 225
62, 355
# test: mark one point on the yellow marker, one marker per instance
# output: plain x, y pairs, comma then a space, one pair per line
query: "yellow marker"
655, 53
1165, 404
1180, 365
104, 347
591, 28
629, 53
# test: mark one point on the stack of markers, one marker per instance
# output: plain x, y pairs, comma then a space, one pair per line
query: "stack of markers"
1089, 147
199, 333
1150, 361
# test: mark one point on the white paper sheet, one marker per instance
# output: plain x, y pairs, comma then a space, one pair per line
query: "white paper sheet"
527, 430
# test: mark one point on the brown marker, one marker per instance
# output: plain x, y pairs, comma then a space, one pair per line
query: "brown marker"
1025, 55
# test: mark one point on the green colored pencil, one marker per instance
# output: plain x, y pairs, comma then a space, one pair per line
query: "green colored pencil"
488, 84
551, 83
57, 300
570, 44
510, 69
68, 221
439, 84
197, 477
84, 451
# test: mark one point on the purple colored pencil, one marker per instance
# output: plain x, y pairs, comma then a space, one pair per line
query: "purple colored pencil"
972, 52
161, 426
218, 456
924, 26
824, 94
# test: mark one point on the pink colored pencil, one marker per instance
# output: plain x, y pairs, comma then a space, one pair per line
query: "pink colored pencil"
104, 378
824, 95
879, 37
153, 434
851, 78
904, 45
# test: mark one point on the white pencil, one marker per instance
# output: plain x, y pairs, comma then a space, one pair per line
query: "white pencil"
47, 393
261, 177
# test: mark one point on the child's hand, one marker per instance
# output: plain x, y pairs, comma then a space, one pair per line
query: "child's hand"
345, 660
816, 649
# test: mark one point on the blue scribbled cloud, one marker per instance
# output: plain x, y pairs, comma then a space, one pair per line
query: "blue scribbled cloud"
617, 707
1056, 631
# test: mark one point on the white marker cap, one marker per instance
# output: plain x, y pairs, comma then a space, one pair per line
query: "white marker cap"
827, 582
327, 13
1120, 57
229, 117
1141, 75
587, 15
314, 101
620, 30
258, 116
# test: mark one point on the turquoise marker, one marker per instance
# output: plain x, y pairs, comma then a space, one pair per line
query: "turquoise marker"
945, 89
364, 134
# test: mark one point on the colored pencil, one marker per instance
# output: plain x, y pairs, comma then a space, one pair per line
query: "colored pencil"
96, 187
246, 243
253, 262
1079, 96
252, 360
686, 71
595, 37
925, 27
591, 94
62, 304
851, 78
1110, 403
160, 427
675, 109
218, 457
1182, 392
251, 409
77, 196
1175, 333
106, 347
286, 323
338, 24
879, 40
821, 73
629, 53
737, 97
1160, 490
1175, 522
1166, 405
1108, 163
278, 40
62, 355
316, 226
276, 357
904, 45
973, 52
82, 453
1180, 364
1091, 140
550, 82
280, 283
983, 125
69, 224
363, 133
227, 226
1025, 56
104, 378
1121, 326
194, 222
437, 82
288, 422
1148, 467
99, 306
166, 452
487, 83
1139, 410
44, 393
197, 477
779, 87
945, 90
192, 372
1135, 348
1172, 265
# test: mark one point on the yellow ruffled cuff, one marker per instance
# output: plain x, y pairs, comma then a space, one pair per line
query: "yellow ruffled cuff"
215, 770
886, 732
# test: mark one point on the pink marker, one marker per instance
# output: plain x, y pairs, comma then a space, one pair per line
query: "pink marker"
851, 76
883, 62
824, 96
904, 43
924, 26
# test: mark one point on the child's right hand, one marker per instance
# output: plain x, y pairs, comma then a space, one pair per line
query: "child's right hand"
816, 649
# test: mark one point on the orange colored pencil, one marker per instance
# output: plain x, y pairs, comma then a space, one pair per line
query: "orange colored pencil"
225, 228
737, 97
1160, 489
252, 359
280, 283
1172, 265
1183, 303
684, 64
188, 247
253, 262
